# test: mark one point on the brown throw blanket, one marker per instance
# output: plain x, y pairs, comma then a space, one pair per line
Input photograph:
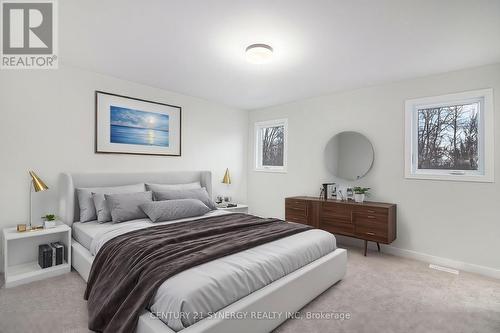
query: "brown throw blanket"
128, 269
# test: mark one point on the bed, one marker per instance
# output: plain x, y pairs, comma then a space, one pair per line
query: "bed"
300, 268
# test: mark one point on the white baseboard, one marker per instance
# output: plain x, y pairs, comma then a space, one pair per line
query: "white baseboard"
460, 265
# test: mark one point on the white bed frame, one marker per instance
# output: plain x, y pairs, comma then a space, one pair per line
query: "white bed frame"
286, 295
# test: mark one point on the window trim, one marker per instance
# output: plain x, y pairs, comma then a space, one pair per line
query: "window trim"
485, 142
258, 145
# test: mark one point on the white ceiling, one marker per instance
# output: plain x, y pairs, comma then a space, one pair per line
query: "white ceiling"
321, 46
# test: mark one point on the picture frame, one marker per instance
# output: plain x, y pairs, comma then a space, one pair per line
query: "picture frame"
134, 126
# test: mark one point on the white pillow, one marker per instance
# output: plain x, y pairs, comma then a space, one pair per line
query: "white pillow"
86, 203
169, 187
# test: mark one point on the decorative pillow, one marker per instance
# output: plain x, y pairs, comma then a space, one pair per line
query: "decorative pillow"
169, 187
200, 194
102, 210
86, 203
125, 207
168, 210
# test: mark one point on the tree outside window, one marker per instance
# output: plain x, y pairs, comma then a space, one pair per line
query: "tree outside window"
271, 145
450, 137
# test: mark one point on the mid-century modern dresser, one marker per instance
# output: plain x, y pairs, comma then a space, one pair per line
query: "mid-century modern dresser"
369, 221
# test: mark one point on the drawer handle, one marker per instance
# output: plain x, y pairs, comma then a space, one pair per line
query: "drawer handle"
371, 217
370, 233
371, 211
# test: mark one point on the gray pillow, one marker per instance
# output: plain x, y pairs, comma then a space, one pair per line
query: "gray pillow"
200, 194
86, 203
125, 207
102, 209
168, 187
159, 211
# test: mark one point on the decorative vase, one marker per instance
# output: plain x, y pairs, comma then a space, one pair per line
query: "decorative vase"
49, 224
359, 197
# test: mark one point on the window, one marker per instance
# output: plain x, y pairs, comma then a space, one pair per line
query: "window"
450, 137
271, 145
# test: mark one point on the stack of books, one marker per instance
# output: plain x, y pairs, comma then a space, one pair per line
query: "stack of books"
50, 254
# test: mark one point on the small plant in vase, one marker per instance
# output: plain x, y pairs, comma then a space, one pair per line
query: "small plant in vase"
49, 221
360, 193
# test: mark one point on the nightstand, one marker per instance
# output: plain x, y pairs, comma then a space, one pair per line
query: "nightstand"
238, 209
21, 254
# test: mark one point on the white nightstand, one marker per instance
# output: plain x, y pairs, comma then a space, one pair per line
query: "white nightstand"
238, 209
21, 254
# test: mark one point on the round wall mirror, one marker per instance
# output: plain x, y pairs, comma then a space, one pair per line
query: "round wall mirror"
349, 155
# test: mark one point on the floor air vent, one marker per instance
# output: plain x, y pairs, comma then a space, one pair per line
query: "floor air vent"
444, 269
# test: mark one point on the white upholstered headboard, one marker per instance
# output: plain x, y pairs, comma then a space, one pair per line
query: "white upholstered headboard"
69, 211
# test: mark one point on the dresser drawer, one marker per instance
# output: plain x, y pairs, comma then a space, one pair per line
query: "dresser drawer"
290, 217
338, 209
335, 214
369, 233
296, 211
371, 220
296, 203
341, 229
371, 210
335, 220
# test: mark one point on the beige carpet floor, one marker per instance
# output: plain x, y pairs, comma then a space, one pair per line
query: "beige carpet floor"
380, 293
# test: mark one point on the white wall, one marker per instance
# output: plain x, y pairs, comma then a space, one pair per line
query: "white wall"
460, 221
47, 124
454, 220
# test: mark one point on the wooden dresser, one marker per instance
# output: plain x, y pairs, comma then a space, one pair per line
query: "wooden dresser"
370, 221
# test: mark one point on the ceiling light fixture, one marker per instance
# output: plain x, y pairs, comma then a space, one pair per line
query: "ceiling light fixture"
259, 53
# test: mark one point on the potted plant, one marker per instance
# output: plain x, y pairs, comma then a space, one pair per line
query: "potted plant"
359, 193
49, 221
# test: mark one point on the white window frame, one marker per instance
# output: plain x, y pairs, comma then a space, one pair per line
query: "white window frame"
258, 145
485, 172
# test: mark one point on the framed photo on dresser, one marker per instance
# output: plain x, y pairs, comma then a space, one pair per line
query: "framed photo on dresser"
126, 125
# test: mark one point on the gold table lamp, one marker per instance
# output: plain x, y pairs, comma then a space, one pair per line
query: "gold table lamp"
36, 185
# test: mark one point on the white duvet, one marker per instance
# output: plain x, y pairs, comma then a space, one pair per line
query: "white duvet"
182, 300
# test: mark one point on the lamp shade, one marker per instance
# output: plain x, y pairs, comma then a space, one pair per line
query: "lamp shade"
38, 184
227, 178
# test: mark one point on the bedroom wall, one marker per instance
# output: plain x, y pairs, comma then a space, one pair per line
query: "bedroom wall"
47, 124
453, 223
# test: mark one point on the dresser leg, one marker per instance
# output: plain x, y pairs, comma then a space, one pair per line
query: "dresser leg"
366, 244
378, 247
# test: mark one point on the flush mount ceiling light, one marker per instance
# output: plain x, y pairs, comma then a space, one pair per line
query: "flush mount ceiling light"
259, 53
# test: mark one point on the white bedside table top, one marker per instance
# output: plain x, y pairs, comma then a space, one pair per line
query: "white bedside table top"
240, 206
12, 233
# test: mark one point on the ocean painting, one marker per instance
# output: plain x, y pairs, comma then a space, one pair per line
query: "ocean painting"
134, 127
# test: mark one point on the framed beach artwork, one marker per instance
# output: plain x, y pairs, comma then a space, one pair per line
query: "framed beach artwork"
126, 125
